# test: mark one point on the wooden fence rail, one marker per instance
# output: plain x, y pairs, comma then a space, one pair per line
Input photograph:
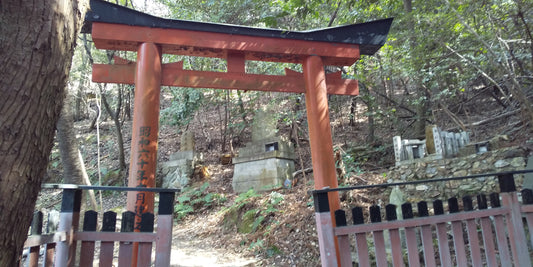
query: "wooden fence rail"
61, 245
471, 233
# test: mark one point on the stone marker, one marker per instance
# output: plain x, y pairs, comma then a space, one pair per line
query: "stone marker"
397, 198
178, 170
397, 143
264, 125
268, 161
437, 138
430, 139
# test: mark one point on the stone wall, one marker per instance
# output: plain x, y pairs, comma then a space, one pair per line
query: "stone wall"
504, 159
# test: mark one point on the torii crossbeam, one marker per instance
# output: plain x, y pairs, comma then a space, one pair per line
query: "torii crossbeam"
118, 28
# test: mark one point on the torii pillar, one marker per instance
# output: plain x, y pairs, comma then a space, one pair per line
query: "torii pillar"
145, 129
320, 138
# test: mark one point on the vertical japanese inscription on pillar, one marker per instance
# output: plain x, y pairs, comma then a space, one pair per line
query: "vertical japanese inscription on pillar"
145, 150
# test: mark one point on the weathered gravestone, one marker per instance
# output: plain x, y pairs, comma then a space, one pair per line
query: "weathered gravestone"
178, 171
437, 145
267, 161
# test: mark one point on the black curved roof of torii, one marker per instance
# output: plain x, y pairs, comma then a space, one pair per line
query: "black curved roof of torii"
370, 36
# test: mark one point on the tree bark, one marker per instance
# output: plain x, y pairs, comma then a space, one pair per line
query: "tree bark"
68, 146
73, 166
37, 40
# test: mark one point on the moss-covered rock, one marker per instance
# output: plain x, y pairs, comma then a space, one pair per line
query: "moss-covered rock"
246, 224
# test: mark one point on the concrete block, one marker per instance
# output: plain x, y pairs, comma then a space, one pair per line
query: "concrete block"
262, 175
189, 154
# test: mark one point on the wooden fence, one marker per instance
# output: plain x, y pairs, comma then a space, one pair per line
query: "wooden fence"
60, 246
471, 233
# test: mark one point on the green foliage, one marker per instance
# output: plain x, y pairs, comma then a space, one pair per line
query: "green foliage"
267, 209
257, 245
253, 218
273, 251
244, 198
192, 199
352, 165
288, 116
185, 103
54, 161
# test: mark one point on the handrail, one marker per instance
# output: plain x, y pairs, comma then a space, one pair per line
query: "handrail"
348, 188
110, 188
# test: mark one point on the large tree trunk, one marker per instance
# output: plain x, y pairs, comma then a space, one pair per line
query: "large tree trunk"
37, 41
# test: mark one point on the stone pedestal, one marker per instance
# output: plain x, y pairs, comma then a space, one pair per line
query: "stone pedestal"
263, 165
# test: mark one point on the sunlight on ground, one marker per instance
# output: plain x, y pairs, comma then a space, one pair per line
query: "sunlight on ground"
200, 258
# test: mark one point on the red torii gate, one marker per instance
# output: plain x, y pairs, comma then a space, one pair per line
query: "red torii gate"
118, 28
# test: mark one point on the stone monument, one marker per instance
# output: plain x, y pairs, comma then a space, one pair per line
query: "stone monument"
437, 145
178, 171
266, 162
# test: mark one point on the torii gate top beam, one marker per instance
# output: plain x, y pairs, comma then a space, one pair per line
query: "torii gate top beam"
338, 46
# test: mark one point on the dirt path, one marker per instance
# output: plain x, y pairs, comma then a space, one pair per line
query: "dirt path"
189, 251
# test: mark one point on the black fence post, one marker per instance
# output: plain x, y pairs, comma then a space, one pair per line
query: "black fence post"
164, 226
36, 229
426, 235
506, 182
90, 221
68, 223
324, 227
379, 238
145, 248
527, 196
517, 235
442, 235
109, 224
51, 227
125, 250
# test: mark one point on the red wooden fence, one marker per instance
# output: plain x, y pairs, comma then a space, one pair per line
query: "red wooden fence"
499, 234
61, 245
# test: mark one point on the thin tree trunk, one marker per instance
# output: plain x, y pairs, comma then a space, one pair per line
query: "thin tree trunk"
116, 119
127, 105
115, 115
242, 110
80, 93
421, 94
37, 40
73, 166
226, 120
370, 104
353, 109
